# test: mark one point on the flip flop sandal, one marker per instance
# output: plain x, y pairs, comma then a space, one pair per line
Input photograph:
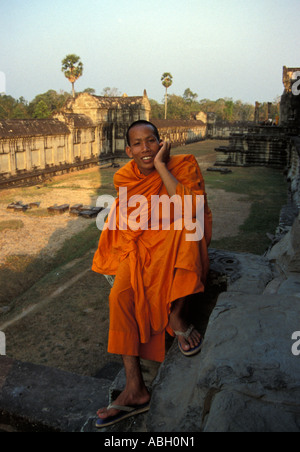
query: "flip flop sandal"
186, 335
125, 412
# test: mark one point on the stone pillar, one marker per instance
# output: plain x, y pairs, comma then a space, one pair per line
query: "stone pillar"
269, 111
256, 113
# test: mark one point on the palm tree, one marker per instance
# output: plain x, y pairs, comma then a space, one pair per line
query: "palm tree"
167, 82
72, 67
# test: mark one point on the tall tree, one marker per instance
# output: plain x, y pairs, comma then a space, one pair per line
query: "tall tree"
72, 67
189, 96
167, 81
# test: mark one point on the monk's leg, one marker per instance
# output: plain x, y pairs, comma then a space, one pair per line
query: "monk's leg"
178, 323
124, 340
135, 392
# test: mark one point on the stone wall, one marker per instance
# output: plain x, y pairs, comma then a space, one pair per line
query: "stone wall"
26, 145
260, 146
223, 130
180, 132
294, 170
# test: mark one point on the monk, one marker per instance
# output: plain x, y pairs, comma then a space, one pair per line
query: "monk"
155, 268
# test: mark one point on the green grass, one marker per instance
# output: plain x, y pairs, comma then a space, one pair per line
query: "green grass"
266, 189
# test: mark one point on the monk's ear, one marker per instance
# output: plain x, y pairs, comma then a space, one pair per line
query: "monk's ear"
128, 152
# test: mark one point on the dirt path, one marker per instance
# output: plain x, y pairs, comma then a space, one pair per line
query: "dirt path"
39, 236
230, 211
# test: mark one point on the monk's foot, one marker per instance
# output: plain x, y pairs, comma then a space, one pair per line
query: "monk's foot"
126, 398
179, 325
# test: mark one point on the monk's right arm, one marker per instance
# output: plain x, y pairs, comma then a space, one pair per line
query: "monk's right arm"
160, 163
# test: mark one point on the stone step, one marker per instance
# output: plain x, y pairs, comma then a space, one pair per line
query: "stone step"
36, 398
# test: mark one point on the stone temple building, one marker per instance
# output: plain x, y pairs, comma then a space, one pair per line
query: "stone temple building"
88, 127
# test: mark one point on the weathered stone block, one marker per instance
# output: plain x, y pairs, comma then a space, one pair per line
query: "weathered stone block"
286, 253
58, 210
245, 379
39, 398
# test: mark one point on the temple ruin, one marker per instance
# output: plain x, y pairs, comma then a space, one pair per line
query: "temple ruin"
268, 144
87, 129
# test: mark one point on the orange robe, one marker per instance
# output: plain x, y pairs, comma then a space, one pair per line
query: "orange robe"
153, 268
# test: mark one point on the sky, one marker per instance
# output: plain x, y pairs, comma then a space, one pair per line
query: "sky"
217, 48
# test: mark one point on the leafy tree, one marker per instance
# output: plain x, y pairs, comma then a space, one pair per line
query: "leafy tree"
6, 106
167, 81
228, 110
110, 92
189, 96
41, 110
20, 109
72, 67
11, 108
178, 107
53, 100
157, 110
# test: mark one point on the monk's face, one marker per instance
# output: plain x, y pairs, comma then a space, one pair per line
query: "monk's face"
143, 147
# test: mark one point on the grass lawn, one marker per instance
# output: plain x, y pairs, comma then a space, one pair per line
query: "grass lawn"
266, 189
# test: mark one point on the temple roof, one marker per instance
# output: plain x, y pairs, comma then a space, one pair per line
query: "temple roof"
10, 128
76, 120
165, 123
